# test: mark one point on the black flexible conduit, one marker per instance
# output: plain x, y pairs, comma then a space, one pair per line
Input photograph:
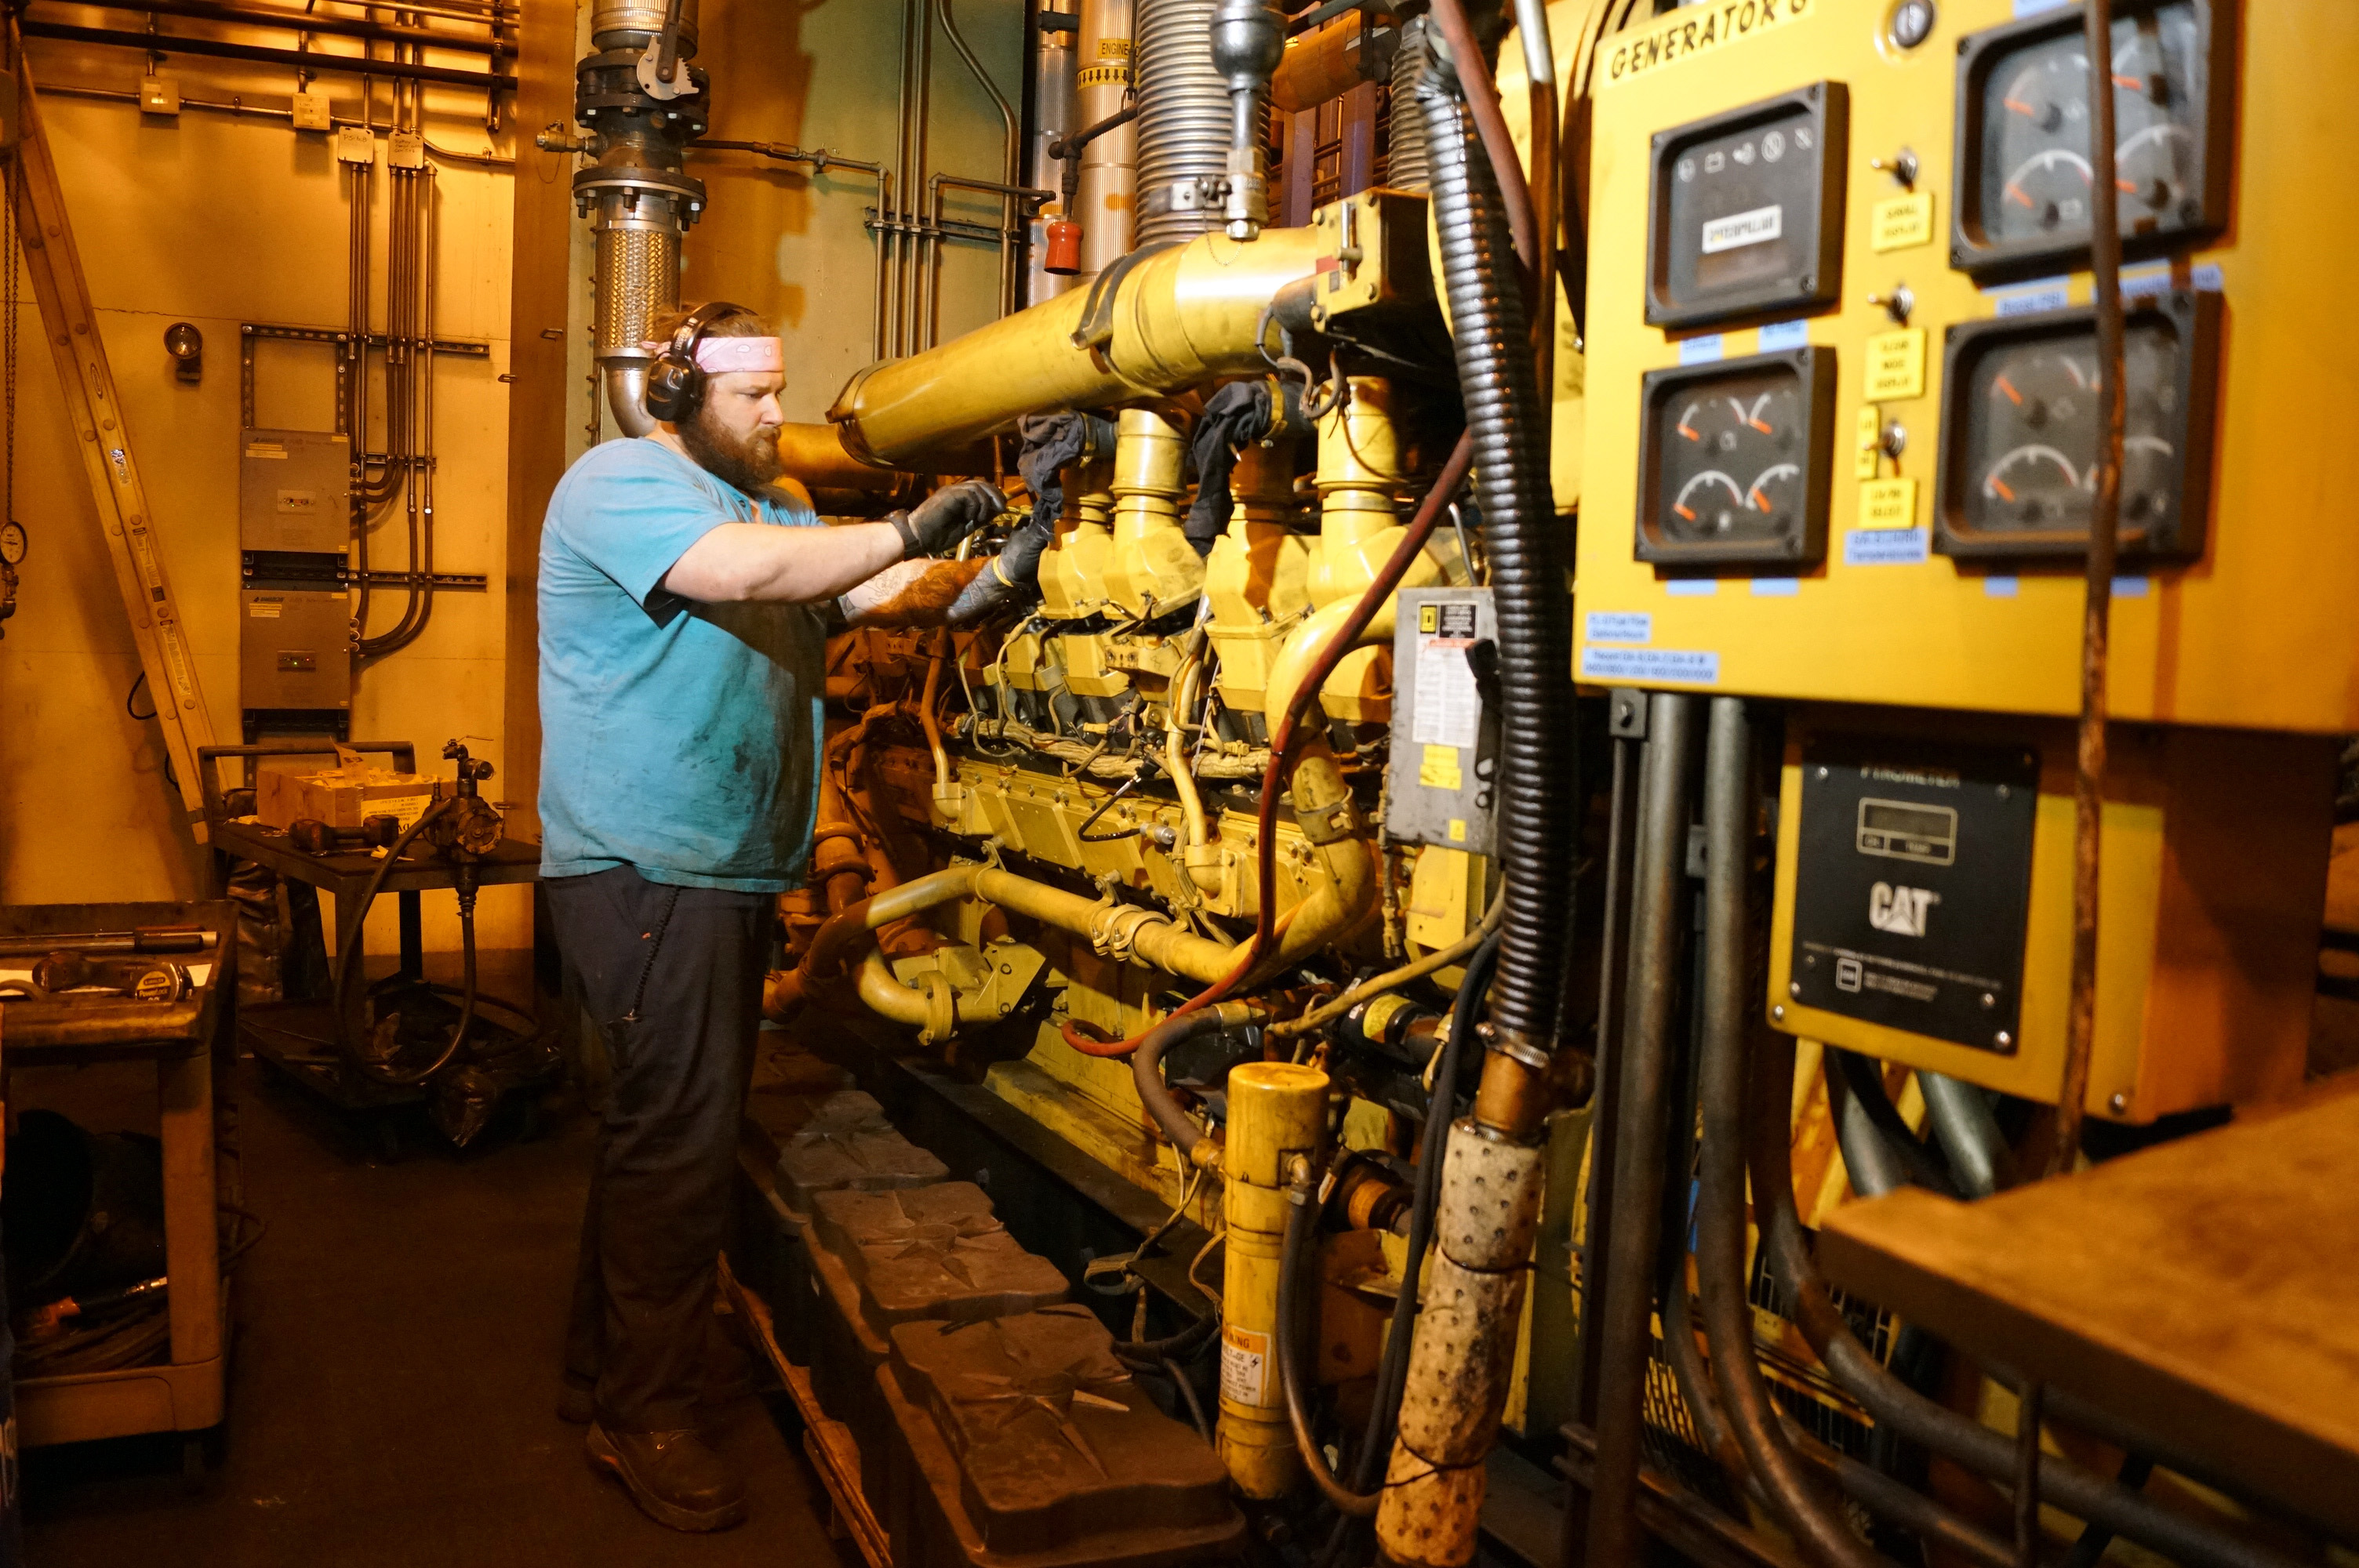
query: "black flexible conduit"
1504, 418
1960, 1438
1793, 1493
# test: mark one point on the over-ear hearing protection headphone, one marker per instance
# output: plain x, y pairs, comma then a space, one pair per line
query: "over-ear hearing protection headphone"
676, 381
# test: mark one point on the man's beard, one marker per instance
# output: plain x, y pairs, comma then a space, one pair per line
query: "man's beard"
749, 461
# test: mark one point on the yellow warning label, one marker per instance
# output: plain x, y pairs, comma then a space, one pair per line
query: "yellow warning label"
1428, 617
1113, 48
1896, 364
1888, 504
1865, 438
1458, 830
1437, 768
1103, 76
1903, 221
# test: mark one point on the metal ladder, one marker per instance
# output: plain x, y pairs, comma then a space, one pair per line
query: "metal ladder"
101, 436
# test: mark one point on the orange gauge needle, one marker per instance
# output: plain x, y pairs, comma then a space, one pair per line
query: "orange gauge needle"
2130, 187
1683, 512
2008, 387
2001, 486
2015, 193
1759, 426
2133, 84
1753, 499
1691, 435
2020, 108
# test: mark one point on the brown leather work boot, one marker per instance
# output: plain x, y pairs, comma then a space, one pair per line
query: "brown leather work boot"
674, 1476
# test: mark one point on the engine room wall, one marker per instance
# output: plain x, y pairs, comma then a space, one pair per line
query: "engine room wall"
218, 219
792, 240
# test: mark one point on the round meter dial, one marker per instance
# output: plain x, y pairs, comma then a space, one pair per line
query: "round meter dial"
1731, 468
1735, 458
2025, 190
2034, 445
2022, 402
12, 542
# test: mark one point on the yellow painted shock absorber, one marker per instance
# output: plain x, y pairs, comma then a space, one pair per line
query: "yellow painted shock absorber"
1276, 1110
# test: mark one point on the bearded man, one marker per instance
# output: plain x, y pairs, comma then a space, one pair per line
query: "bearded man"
685, 599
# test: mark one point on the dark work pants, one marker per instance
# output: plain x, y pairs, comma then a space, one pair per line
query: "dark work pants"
673, 977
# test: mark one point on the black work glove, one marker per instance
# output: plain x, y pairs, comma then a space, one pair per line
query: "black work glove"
1018, 565
1011, 579
948, 516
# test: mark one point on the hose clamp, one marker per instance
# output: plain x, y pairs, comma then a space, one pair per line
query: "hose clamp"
1324, 825
1203, 195
1522, 1048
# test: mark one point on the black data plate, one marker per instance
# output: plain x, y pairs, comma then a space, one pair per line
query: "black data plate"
1912, 885
1748, 210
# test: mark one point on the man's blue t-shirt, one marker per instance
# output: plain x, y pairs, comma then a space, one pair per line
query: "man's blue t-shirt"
678, 738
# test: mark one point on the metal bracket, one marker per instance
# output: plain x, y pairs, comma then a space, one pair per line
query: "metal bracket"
1626, 710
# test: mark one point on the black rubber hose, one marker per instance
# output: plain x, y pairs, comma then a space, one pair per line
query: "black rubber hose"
1960, 1438
1392, 1372
348, 936
1301, 1219
1506, 419
1864, 1080
1146, 1068
1792, 1491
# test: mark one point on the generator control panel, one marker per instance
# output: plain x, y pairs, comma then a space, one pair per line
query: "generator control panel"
1927, 250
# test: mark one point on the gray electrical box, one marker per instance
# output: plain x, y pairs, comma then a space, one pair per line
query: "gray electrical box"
294, 649
1443, 784
294, 492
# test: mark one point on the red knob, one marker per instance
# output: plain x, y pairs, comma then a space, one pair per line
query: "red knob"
1064, 247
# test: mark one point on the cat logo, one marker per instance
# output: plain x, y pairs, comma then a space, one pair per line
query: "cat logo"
1900, 910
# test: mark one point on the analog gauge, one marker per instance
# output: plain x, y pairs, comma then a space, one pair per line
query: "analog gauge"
2024, 186
1730, 459
2020, 456
12, 542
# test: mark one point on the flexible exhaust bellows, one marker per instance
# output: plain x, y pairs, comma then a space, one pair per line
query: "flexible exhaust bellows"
1183, 121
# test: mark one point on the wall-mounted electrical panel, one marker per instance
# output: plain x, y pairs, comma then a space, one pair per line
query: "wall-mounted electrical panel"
294, 491
1442, 786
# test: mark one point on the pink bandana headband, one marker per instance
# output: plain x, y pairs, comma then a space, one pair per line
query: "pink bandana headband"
719, 356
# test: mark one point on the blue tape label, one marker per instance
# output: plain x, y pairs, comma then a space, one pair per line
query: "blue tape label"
1691, 587
1650, 664
1620, 626
2001, 587
1776, 587
2033, 7
1886, 546
2156, 279
1703, 351
2029, 298
1779, 336
2130, 587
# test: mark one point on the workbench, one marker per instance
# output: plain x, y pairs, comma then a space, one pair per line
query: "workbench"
2201, 1291
184, 1038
